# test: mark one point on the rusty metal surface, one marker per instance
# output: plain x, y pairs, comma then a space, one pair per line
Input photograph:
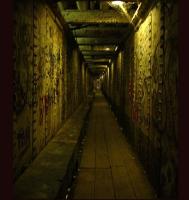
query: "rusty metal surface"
93, 17
98, 60
98, 47
99, 32
98, 52
101, 41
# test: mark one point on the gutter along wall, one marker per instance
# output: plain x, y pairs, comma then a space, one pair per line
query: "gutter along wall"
50, 80
142, 86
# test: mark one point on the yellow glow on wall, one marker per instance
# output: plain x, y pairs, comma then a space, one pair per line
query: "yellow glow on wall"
117, 3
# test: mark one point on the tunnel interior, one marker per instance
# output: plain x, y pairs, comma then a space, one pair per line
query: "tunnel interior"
66, 50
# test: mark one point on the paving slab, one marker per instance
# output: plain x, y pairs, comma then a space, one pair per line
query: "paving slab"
103, 184
85, 184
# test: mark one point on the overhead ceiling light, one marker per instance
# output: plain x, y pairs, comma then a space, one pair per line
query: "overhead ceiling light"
107, 49
121, 7
118, 3
136, 12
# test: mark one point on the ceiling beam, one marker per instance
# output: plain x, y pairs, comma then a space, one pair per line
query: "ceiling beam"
98, 0
101, 41
100, 32
97, 60
98, 52
97, 47
94, 17
100, 69
97, 63
101, 56
98, 66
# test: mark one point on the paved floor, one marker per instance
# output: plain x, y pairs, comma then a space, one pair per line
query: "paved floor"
109, 169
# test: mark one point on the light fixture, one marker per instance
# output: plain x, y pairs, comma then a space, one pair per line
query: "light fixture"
107, 49
116, 48
118, 3
136, 12
121, 7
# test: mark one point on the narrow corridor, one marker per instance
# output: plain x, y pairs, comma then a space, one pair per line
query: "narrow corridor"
109, 168
122, 142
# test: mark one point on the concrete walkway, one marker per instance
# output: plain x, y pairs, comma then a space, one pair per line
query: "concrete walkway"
55, 164
109, 169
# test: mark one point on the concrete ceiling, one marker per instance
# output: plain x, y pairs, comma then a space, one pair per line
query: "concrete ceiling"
99, 27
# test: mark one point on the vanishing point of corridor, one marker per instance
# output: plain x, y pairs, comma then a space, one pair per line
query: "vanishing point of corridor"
109, 168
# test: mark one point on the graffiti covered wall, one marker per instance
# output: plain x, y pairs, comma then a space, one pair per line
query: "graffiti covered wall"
148, 94
48, 69
47, 80
22, 85
169, 129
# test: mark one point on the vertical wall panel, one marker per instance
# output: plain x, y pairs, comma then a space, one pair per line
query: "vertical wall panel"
22, 85
48, 72
148, 94
38, 100
48, 80
170, 111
